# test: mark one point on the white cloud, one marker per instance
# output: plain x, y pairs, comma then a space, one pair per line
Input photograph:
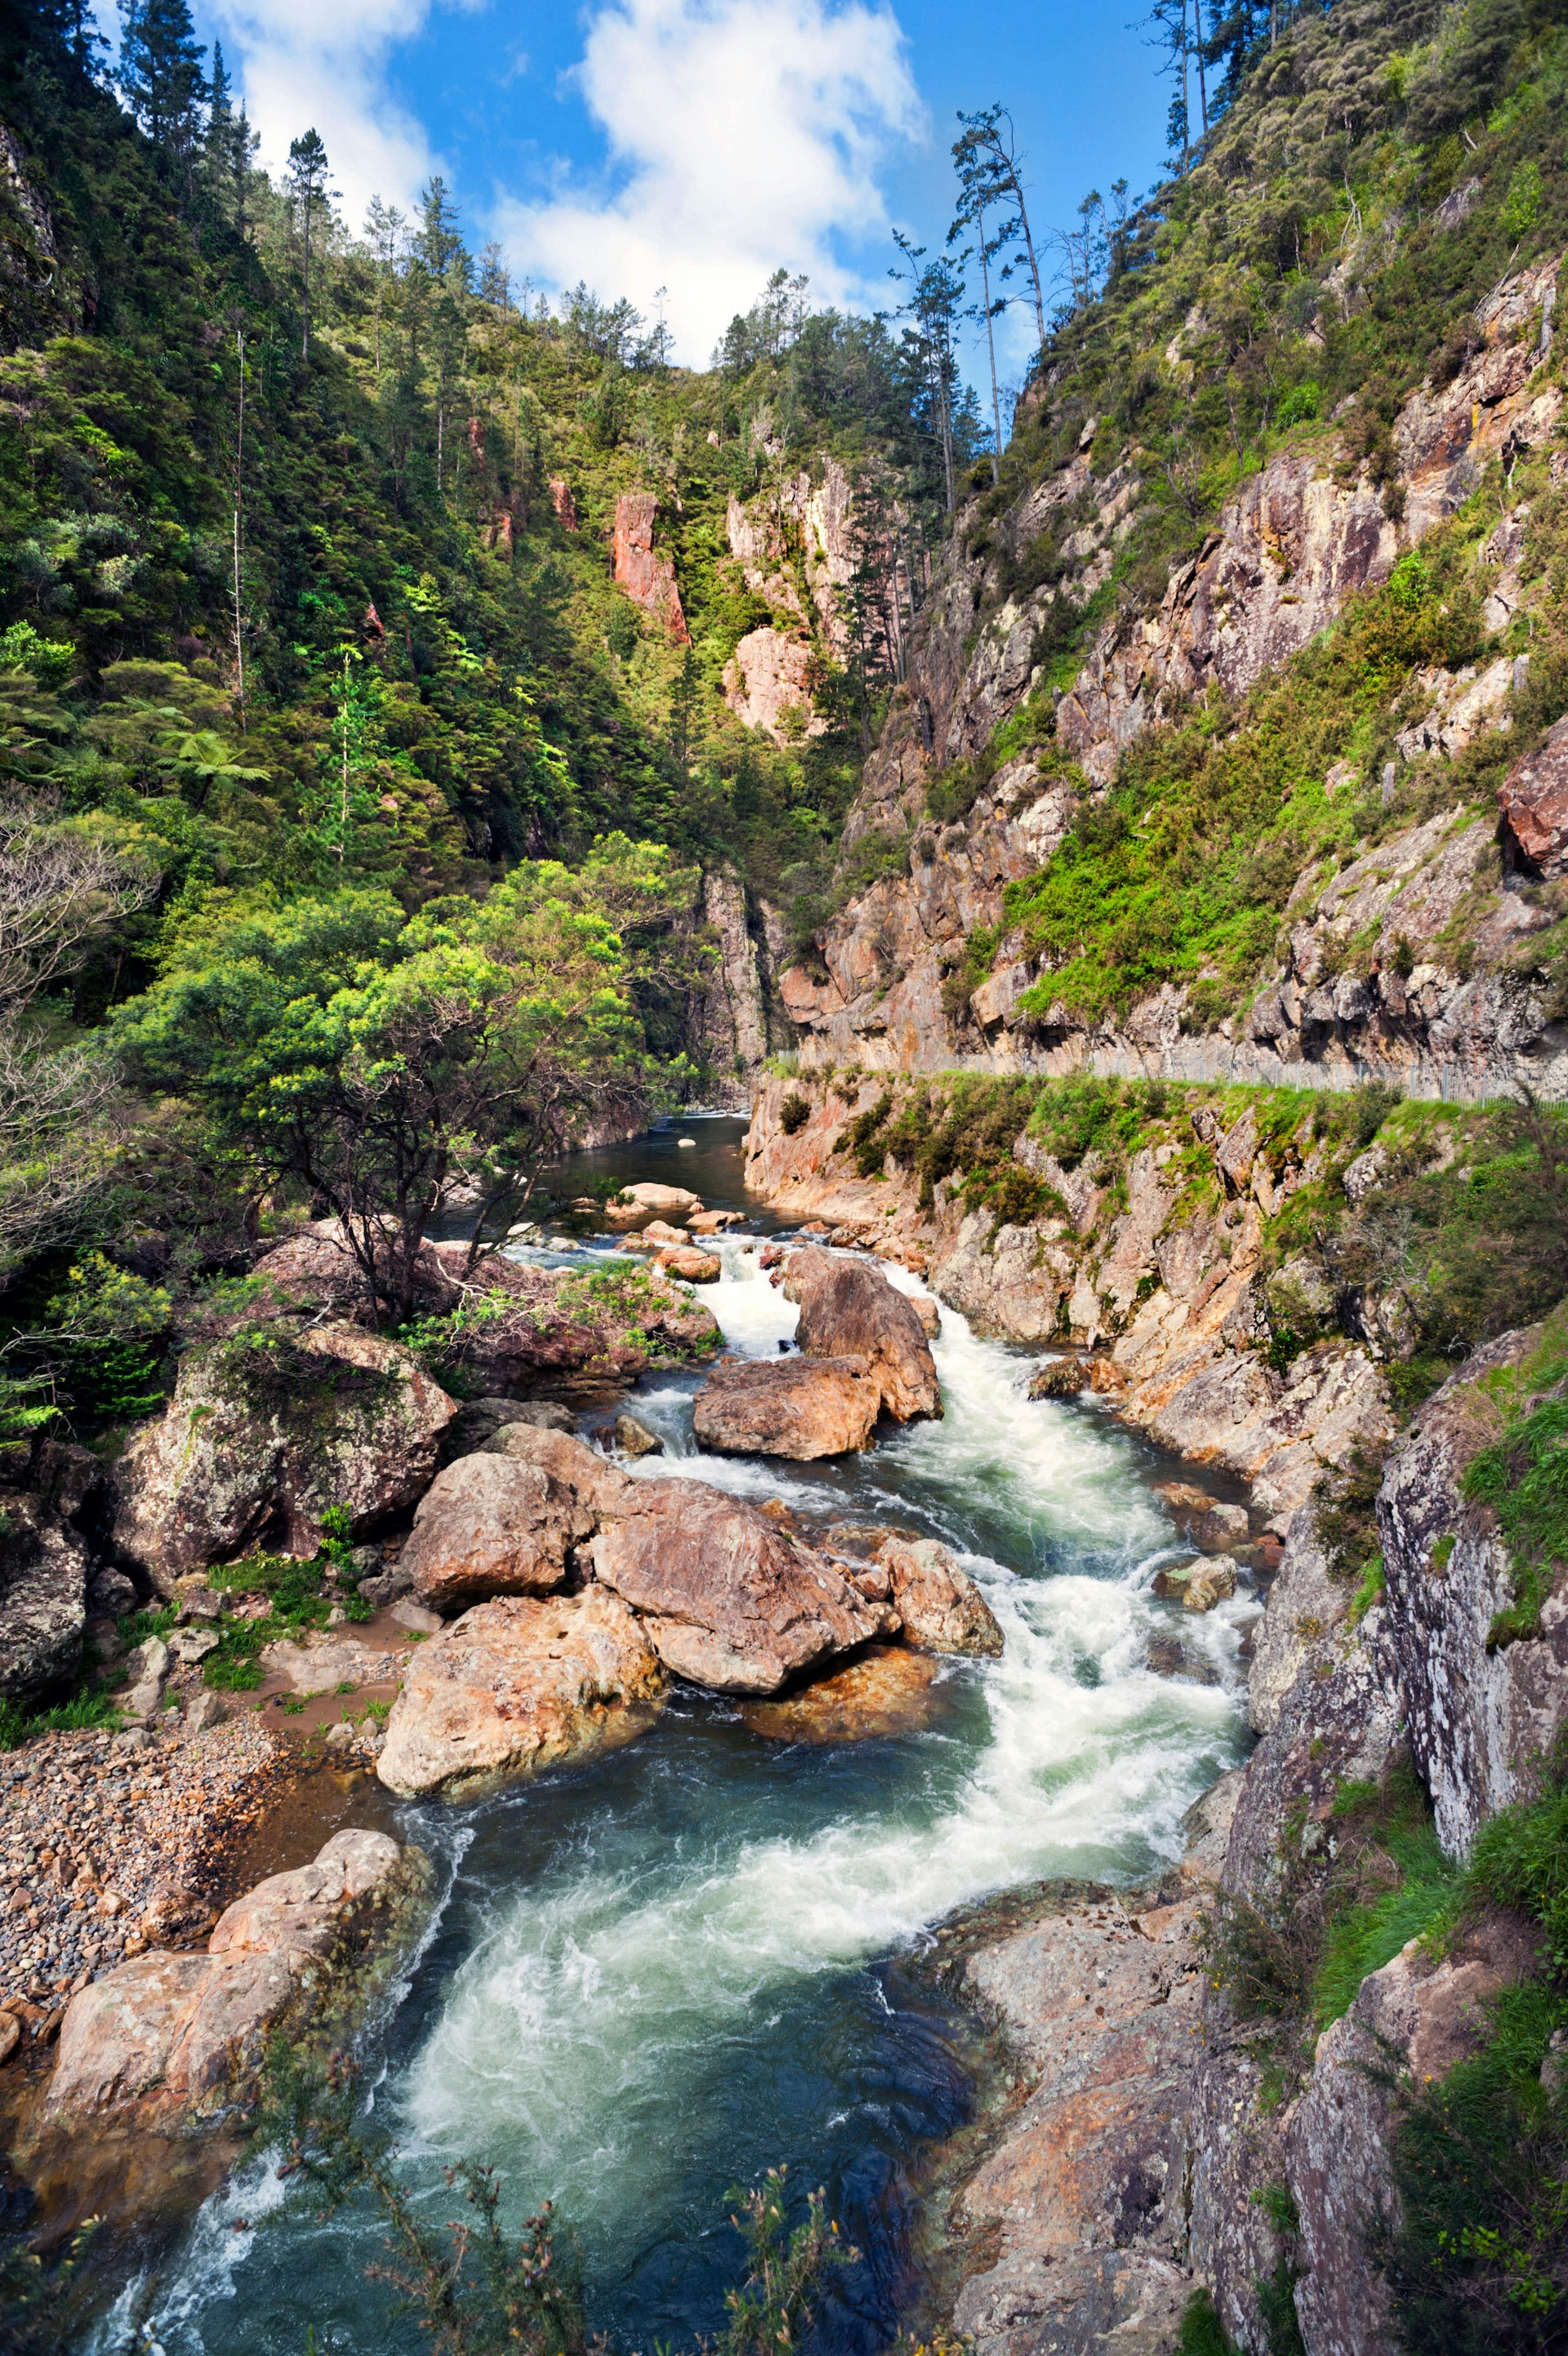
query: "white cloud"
300, 65
744, 135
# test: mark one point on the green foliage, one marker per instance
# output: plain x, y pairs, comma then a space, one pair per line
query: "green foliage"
83, 1709
794, 1113
1521, 1860
1201, 2333
1523, 1477
1392, 1834
1480, 2258
785, 2267
1277, 2312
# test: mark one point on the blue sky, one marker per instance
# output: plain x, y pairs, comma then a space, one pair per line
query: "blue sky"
696, 144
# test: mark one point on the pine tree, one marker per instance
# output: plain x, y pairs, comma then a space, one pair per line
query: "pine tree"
439, 244
160, 74
996, 146
935, 306
307, 171
981, 196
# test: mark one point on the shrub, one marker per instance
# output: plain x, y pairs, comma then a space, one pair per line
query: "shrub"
794, 1113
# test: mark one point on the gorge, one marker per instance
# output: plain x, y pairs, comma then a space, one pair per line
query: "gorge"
783, 1233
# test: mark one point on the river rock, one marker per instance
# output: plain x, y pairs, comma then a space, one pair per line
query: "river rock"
942, 1609
848, 1309
634, 1439
260, 1440
542, 1324
885, 1691
519, 1685
494, 1525
43, 1600
940, 1606
729, 1598
691, 1266
176, 2037
714, 1223
801, 1408
479, 1420
598, 1486
326, 1663
660, 1231
649, 1194
1058, 1378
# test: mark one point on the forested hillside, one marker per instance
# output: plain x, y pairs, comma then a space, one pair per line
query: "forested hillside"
339, 581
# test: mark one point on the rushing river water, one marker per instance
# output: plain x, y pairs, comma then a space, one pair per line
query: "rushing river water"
679, 1966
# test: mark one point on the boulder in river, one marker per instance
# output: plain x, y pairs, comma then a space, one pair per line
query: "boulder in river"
495, 1524
848, 1309
518, 1684
176, 2037
650, 1194
691, 1266
801, 1408
885, 1691
635, 1439
942, 1608
264, 1434
728, 1597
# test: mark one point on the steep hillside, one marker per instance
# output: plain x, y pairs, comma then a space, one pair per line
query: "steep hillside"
437, 584
1200, 762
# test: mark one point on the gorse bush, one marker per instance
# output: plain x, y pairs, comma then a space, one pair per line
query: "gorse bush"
486, 2290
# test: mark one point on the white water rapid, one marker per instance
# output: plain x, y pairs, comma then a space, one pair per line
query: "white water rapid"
662, 1972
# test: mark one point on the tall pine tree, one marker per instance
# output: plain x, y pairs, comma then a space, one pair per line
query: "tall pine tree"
160, 74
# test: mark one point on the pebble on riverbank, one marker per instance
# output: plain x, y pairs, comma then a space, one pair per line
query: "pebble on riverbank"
105, 1850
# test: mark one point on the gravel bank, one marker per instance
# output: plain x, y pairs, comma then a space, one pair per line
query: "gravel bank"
106, 1849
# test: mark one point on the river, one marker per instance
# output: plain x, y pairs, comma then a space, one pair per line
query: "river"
690, 1961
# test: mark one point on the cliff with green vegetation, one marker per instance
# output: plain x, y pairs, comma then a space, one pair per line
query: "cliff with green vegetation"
1225, 687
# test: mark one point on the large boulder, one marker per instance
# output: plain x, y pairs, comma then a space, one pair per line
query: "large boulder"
649, 1194
267, 1432
881, 1693
728, 1597
501, 1522
518, 1684
940, 1606
848, 1309
174, 2038
43, 1598
802, 1408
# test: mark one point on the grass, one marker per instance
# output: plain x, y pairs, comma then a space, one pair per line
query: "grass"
82, 1710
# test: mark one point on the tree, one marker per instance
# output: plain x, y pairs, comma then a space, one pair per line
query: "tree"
980, 192
372, 1058
160, 74
308, 185
386, 229
935, 306
62, 886
995, 144
439, 245
495, 278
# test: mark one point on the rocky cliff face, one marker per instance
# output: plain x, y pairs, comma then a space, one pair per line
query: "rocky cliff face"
1289, 552
649, 580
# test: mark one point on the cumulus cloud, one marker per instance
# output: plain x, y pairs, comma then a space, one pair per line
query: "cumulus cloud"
743, 135
299, 64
